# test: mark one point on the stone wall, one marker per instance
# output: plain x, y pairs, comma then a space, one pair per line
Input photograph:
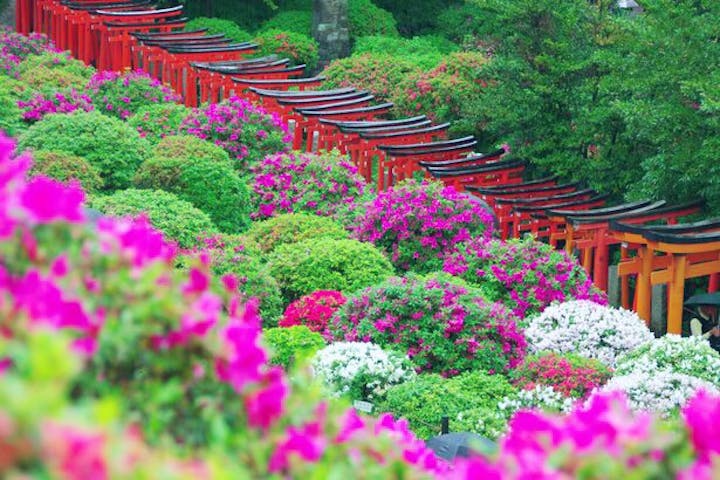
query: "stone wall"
331, 29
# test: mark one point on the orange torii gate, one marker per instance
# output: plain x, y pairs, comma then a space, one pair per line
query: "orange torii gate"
668, 254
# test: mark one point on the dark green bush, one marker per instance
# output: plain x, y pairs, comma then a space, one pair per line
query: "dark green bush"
299, 48
425, 400
461, 23
417, 17
219, 26
176, 218
65, 167
292, 228
290, 344
155, 122
297, 21
211, 186
114, 148
325, 264
366, 18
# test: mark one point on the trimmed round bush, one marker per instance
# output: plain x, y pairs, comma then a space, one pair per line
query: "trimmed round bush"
592, 330
295, 182
366, 18
360, 371
568, 374
188, 146
175, 218
428, 398
417, 223
313, 310
16, 48
66, 167
288, 345
246, 132
379, 73
232, 254
111, 146
155, 122
211, 186
292, 228
219, 26
296, 21
686, 355
445, 327
322, 264
300, 49
10, 114
526, 276
51, 71
123, 95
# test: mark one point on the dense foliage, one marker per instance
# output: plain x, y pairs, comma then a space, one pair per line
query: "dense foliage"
291, 345
123, 95
216, 26
67, 167
154, 122
293, 228
301, 49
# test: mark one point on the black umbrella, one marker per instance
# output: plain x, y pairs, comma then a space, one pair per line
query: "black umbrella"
459, 444
708, 299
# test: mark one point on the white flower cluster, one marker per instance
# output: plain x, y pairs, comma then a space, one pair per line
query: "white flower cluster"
360, 369
686, 355
662, 392
542, 397
588, 329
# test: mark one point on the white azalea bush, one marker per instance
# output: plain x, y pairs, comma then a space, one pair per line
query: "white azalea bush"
662, 392
542, 397
360, 371
586, 328
687, 355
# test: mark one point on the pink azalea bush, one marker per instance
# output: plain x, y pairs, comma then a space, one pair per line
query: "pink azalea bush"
524, 275
571, 375
313, 310
246, 132
445, 327
418, 223
122, 95
14, 48
297, 182
67, 101
176, 351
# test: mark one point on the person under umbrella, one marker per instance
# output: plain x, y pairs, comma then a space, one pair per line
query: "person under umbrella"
706, 323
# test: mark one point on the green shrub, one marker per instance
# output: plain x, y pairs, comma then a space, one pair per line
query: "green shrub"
155, 122
417, 17
379, 73
237, 255
366, 18
425, 400
424, 52
122, 95
211, 186
51, 71
111, 146
324, 264
291, 344
299, 48
64, 167
188, 146
219, 26
296, 21
176, 218
10, 114
461, 23
292, 228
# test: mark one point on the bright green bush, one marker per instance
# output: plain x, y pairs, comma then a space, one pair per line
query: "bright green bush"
176, 218
381, 74
111, 146
366, 18
219, 26
211, 186
425, 52
296, 21
64, 167
155, 122
51, 71
188, 146
292, 228
425, 400
239, 256
325, 264
10, 114
299, 48
291, 344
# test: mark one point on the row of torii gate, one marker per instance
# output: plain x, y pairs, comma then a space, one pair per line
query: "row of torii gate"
655, 247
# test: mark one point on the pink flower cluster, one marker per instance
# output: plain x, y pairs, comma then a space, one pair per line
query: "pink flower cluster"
245, 131
571, 376
294, 182
14, 48
417, 224
59, 102
313, 310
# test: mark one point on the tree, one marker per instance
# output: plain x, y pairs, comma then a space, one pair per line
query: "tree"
331, 29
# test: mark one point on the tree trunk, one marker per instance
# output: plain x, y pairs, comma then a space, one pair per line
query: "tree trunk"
7, 14
331, 29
